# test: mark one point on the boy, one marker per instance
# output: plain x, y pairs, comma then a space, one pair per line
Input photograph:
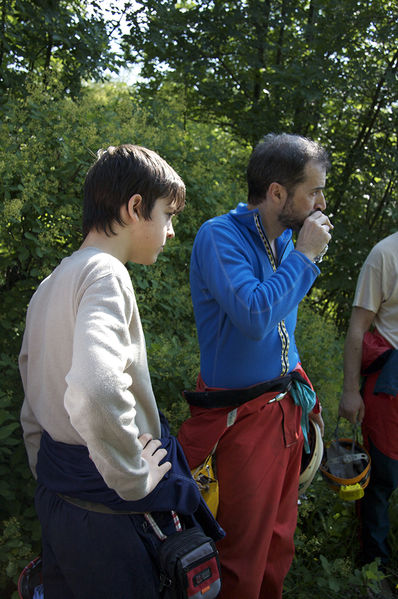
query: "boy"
91, 424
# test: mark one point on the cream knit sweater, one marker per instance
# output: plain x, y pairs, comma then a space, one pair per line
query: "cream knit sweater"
84, 369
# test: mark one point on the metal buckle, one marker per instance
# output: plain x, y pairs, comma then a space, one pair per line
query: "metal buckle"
282, 394
278, 397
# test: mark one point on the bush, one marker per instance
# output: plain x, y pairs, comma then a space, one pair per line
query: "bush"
327, 562
321, 351
47, 142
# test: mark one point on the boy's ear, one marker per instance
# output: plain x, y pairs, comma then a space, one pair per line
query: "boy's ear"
134, 206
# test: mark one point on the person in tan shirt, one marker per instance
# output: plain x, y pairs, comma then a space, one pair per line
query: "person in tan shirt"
371, 351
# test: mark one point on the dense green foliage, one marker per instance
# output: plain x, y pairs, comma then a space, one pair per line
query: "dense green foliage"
50, 37
257, 65
325, 69
327, 562
47, 143
239, 70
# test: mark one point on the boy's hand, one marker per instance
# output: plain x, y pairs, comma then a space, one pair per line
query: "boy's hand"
153, 453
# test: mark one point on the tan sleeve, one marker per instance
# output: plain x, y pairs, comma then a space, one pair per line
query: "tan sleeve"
99, 397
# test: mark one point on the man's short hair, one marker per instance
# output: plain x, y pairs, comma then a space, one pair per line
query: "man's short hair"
281, 158
121, 172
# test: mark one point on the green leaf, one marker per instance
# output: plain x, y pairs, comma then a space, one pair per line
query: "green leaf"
7, 431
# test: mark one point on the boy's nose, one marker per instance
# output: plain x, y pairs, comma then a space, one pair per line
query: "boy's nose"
170, 230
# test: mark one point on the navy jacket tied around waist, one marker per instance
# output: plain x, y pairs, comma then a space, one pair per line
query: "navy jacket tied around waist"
68, 469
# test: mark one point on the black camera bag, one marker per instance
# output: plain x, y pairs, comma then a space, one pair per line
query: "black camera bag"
189, 566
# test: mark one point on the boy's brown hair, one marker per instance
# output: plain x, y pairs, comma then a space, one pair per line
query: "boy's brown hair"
121, 172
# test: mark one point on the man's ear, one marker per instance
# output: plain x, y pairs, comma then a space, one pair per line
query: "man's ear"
277, 193
134, 207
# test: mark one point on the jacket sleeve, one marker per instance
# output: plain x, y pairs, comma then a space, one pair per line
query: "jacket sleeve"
224, 268
99, 396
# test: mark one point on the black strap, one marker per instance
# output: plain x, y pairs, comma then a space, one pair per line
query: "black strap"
232, 398
92, 506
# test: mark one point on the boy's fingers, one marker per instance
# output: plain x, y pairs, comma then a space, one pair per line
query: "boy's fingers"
158, 453
165, 468
152, 446
145, 439
154, 451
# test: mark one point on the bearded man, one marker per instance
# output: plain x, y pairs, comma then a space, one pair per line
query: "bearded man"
253, 397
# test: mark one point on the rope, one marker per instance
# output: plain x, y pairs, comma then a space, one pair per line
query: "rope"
305, 397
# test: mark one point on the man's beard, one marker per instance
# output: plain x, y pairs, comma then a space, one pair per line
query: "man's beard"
288, 219
290, 222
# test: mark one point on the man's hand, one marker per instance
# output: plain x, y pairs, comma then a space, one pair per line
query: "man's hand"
352, 407
153, 453
314, 235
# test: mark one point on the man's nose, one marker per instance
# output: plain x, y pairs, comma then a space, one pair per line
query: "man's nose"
321, 202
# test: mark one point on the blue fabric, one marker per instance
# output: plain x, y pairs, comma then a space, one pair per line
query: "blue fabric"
38, 592
93, 555
68, 469
374, 507
239, 300
387, 381
305, 397
87, 555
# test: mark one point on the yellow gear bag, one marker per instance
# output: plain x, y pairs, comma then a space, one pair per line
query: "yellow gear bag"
206, 479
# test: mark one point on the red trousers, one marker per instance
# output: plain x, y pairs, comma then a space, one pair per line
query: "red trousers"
380, 423
258, 466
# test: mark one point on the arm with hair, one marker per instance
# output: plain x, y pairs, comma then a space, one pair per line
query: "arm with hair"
351, 404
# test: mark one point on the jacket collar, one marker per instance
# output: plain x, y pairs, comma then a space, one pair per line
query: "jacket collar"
246, 218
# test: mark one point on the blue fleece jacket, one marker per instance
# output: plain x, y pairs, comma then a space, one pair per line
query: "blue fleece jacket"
246, 311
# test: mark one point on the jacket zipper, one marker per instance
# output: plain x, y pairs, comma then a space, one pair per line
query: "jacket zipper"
282, 331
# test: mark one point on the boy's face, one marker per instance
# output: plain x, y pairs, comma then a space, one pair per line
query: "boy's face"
149, 236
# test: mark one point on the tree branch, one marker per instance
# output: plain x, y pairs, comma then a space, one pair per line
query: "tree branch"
367, 126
